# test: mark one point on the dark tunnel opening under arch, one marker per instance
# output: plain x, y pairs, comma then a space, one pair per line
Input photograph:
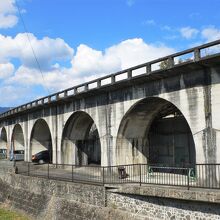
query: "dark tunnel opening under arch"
3, 138
155, 131
80, 141
41, 139
4, 144
17, 138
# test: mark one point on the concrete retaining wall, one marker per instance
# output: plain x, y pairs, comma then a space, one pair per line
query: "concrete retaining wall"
48, 199
56, 200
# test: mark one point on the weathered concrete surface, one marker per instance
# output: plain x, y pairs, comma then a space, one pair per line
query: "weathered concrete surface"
63, 209
195, 93
81, 144
57, 200
199, 195
42, 206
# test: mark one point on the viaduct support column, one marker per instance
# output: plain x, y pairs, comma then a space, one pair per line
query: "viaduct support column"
209, 134
108, 139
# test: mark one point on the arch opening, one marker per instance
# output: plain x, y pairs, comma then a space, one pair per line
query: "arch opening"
17, 143
155, 131
80, 142
18, 138
3, 144
41, 139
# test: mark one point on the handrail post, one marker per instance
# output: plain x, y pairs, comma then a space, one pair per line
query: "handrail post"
129, 73
48, 175
28, 168
99, 84
140, 173
148, 68
170, 62
75, 91
197, 55
103, 176
72, 172
113, 79
65, 94
188, 174
14, 161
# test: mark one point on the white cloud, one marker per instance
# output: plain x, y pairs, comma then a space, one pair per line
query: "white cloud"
6, 70
7, 6
15, 95
135, 51
86, 64
8, 16
89, 63
211, 34
188, 32
47, 50
52, 80
128, 53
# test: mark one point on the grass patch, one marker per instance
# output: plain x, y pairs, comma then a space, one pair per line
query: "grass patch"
6, 214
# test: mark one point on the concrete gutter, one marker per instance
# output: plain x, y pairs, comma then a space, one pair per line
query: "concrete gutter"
169, 192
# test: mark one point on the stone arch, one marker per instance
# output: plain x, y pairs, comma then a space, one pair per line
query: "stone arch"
4, 142
41, 138
80, 140
154, 130
17, 138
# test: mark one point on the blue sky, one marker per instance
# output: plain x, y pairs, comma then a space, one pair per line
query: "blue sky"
79, 40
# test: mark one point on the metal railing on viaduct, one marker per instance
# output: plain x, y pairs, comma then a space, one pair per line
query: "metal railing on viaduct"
196, 176
148, 69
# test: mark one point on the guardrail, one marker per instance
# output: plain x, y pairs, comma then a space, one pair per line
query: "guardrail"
187, 56
65, 172
196, 176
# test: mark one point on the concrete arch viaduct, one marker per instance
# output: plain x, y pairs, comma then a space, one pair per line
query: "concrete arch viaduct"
164, 111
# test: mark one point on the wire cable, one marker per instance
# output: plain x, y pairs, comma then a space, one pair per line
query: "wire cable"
29, 40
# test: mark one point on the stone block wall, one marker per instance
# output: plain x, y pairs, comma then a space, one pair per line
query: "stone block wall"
83, 193
30, 203
45, 199
58, 200
163, 208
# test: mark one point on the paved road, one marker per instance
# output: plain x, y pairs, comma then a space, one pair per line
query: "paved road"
85, 174
95, 174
